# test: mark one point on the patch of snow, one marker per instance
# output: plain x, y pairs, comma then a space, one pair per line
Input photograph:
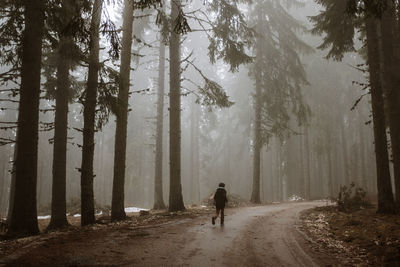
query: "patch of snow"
134, 209
44, 217
295, 198
129, 209
203, 206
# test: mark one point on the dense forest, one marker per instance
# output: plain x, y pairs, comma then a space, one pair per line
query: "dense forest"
151, 103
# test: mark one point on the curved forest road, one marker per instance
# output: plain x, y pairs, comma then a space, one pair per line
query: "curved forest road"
252, 236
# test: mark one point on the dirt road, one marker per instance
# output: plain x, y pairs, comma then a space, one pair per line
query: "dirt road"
252, 236
256, 236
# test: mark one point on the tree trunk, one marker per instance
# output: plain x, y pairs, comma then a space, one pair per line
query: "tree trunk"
158, 179
4, 197
320, 177
89, 114
336, 169
279, 171
24, 214
307, 181
391, 78
363, 169
255, 196
59, 202
175, 195
257, 144
118, 194
385, 193
194, 155
12, 185
346, 173
301, 184
329, 159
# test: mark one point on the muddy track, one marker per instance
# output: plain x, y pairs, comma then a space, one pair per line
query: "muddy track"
252, 236
255, 236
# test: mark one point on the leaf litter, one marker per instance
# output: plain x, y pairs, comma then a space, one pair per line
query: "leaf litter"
361, 238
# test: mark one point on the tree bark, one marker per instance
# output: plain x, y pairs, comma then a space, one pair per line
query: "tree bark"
12, 185
391, 78
336, 169
118, 195
346, 164
175, 195
228, 148
59, 198
301, 183
279, 171
255, 196
89, 114
158, 179
4, 197
320, 175
307, 181
363, 169
329, 159
385, 194
194, 155
257, 144
24, 214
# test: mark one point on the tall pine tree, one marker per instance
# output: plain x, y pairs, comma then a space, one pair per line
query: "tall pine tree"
24, 213
66, 15
117, 205
339, 38
175, 194
89, 114
279, 76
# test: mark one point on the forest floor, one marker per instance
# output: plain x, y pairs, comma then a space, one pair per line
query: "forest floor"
268, 235
361, 238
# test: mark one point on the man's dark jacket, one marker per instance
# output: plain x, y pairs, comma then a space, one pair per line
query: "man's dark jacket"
220, 198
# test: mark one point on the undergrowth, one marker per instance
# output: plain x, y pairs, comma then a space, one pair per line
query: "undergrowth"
352, 199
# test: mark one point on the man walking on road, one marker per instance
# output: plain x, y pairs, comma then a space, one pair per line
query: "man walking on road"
219, 200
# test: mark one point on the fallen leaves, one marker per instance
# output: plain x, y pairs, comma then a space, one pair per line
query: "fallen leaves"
362, 238
133, 227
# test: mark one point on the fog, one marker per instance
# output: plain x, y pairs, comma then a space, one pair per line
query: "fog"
331, 147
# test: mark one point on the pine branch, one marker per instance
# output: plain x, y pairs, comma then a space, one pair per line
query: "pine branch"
9, 100
6, 141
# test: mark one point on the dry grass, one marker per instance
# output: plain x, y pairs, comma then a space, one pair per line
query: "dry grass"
363, 237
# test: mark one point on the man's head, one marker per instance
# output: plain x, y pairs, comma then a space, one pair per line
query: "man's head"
221, 185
